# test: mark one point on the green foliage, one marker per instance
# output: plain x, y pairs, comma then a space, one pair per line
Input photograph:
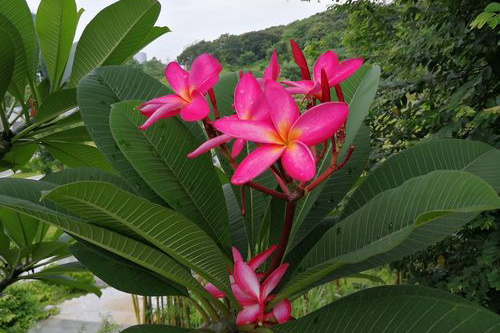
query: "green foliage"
41, 69
490, 16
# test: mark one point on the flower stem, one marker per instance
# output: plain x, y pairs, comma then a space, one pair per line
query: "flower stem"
214, 103
266, 190
284, 237
338, 91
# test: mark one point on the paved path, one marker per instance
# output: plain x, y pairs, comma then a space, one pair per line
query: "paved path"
85, 314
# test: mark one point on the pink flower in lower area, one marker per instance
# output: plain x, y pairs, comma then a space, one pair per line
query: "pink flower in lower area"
190, 89
335, 71
250, 104
253, 295
287, 136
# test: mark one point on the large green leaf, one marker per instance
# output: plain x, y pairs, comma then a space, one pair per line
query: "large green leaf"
78, 174
123, 274
77, 155
113, 208
77, 134
19, 15
321, 201
56, 104
21, 229
7, 61
158, 154
397, 309
56, 22
447, 154
24, 197
96, 93
236, 224
19, 155
114, 35
156, 329
10, 35
398, 221
66, 281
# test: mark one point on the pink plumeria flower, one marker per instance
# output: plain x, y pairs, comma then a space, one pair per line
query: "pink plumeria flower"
253, 295
288, 136
336, 72
254, 263
190, 89
250, 104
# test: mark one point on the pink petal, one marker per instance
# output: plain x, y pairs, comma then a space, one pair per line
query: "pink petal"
273, 70
177, 77
272, 281
259, 259
329, 62
197, 109
214, 291
163, 112
345, 69
319, 123
246, 279
236, 255
257, 131
148, 110
237, 147
299, 87
256, 163
209, 144
246, 94
204, 73
284, 110
283, 311
243, 298
248, 315
298, 161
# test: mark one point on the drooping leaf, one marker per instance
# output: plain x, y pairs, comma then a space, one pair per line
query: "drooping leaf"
395, 309
113, 208
20, 229
19, 155
158, 154
23, 196
56, 22
447, 154
72, 175
123, 274
395, 223
77, 134
114, 35
78, 155
236, 223
67, 281
96, 93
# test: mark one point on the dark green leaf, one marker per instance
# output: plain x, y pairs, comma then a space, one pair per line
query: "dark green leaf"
78, 155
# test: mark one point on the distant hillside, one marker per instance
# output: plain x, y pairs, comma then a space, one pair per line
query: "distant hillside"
252, 49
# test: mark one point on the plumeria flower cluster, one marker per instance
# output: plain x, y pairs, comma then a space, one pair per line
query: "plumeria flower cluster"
282, 138
253, 292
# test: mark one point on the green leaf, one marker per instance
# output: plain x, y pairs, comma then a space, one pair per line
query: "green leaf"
23, 196
78, 174
66, 281
447, 154
395, 309
56, 104
7, 61
19, 15
123, 274
10, 35
70, 267
322, 200
77, 134
56, 22
20, 229
19, 155
236, 223
77, 155
114, 35
390, 226
156, 329
113, 208
190, 186
96, 93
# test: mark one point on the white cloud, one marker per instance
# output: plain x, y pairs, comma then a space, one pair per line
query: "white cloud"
194, 20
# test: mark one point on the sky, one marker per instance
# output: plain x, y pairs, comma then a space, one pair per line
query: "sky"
195, 20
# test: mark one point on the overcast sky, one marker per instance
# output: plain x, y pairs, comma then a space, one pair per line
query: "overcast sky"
195, 20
